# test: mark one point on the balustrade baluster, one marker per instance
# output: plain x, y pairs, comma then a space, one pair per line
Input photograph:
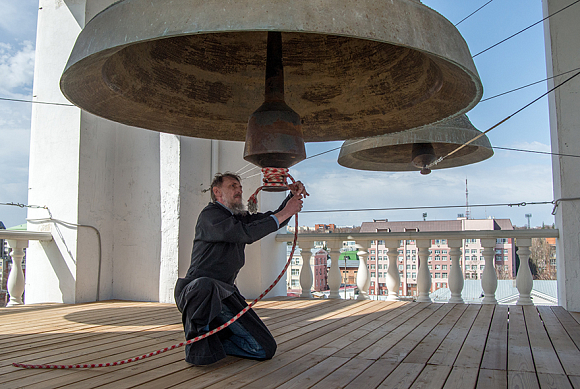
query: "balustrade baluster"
334, 278
393, 278
524, 280
424, 275
363, 279
455, 274
306, 270
489, 278
16, 277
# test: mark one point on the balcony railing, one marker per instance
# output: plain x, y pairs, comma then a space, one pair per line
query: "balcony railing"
18, 241
488, 239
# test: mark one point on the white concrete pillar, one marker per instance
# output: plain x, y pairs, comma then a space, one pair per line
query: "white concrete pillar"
306, 269
363, 279
393, 278
524, 280
562, 48
455, 274
489, 277
423, 274
15, 283
334, 278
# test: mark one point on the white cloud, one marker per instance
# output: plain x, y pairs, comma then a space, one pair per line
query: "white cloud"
16, 69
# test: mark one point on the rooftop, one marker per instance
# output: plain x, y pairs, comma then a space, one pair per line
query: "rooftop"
321, 343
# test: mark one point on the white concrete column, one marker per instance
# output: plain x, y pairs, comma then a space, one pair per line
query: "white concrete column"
16, 277
524, 280
562, 48
455, 274
423, 274
489, 277
393, 278
334, 277
363, 279
306, 270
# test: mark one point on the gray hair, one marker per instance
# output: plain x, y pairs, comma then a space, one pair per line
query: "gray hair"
218, 181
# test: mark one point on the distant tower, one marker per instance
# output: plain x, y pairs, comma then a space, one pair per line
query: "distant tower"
528, 216
467, 211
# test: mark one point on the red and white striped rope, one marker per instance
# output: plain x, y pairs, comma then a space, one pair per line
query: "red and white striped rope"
197, 338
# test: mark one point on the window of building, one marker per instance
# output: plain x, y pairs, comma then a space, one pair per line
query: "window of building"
437, 275
443, 275
380, 274
372, 251
474, 258
380, 266
430, 267
473, 267
443, 267
414, 257
408, 267
401, 259
373, 266
506, 267
437, 267
295, 283
505, 251
400, 267
381, 242
408, 257
413, 275
430, 258
437, 258
481, 258
408, 251
505, 258
498, 251
295, 272
372, 283
437, 251
372, 258
414, 252
481, 267
443, 251
444, 258
414, 267
372, 274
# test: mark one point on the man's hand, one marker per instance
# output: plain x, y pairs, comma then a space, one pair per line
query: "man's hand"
293, 206
298, 189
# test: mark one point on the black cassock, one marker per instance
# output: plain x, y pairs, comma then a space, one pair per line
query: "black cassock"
216, 259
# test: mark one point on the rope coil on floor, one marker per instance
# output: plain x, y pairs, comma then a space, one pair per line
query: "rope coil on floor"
273, 177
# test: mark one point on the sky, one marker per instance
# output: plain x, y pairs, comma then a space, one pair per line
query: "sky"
507, 177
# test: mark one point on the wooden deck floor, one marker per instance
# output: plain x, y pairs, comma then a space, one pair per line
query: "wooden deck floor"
321, 344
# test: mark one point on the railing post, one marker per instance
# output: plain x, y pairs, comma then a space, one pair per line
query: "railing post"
363, 279
424, 275
334, 272
393, 278
524, 280
16, 277
489, 278
455, 274
306, 270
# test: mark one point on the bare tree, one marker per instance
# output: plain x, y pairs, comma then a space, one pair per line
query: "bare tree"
542, 256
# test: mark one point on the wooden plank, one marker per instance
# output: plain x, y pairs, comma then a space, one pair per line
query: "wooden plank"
569, 323
447, 351
388, 323
429, 344
383, 345
461, 378
519, 352
432, 377
316, 373
523, 379
575, 381
495, 354
341, 377
492, 379
545, 358
568, 353
406, 344
472, 350
403, 376
371, 377
554, 381
575, 315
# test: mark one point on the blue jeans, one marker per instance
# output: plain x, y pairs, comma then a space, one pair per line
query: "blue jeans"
241, 343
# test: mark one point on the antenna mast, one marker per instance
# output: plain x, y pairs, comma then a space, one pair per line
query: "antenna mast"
467, 211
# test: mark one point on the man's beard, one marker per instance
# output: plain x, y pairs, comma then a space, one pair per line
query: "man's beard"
238, 208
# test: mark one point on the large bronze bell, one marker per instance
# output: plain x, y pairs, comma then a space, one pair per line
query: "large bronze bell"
416, 149
353, 68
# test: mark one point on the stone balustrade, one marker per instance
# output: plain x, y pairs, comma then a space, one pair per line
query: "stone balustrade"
18, 241
524, 282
